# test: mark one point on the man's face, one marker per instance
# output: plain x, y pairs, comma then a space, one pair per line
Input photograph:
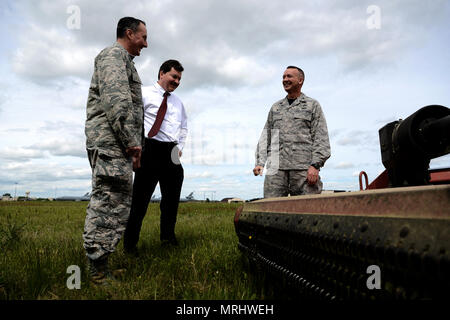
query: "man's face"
170, 80
138, 39
292, 80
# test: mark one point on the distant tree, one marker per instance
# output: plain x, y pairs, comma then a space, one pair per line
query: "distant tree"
7, 195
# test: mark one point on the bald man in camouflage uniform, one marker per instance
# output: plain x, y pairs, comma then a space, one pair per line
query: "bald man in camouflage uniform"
114, 137
294, 142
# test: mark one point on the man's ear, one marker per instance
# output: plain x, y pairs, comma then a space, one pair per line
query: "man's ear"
129, 33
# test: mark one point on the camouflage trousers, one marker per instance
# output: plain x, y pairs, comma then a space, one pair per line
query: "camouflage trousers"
289, 182
109, 208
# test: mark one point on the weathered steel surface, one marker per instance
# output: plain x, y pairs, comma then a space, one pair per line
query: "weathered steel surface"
382, 181
440, 176
323, 244
437, 176
423, 201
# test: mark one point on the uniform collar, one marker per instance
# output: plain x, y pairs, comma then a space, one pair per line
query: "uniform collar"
300, 98
118, 45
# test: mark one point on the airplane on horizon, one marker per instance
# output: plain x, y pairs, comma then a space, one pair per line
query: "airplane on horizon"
189, 197
85, 197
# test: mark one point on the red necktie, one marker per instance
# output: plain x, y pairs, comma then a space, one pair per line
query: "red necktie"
159, 116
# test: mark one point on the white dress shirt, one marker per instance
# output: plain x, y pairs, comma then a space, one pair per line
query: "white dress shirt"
174, 126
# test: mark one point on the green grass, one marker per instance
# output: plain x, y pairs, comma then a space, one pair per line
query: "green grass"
39, 240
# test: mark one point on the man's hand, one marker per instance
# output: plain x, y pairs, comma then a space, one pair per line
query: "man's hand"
135, 154
313, 175
258, 170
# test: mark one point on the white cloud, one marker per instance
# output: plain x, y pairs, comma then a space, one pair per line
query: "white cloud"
45, 148
22, 154
238, 68
51, 54
52, 126
226, 43
344, 165
356, 173
356, 138
62, 147
197, 175
41, 179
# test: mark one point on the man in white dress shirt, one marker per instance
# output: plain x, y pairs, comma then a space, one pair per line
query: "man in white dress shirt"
165, 128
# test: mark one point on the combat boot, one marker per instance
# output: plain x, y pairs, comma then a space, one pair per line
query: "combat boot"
100, 274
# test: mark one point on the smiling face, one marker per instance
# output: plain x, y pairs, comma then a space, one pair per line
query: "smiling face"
292, 81
169, 81
137, 39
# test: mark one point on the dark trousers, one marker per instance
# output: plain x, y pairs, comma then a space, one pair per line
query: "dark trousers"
156, 166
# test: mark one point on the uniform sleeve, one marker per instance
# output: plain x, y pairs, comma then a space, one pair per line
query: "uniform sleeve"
319, 133
116, 98
263, 147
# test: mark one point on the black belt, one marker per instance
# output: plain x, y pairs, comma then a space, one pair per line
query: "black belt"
158, 143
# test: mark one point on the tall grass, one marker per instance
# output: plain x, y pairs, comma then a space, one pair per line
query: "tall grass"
39, 240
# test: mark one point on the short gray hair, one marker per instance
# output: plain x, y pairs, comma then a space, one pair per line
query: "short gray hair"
302, 74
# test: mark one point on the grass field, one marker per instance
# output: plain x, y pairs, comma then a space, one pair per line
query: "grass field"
40, 240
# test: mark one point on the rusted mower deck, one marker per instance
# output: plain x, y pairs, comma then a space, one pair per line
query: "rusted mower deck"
322, 245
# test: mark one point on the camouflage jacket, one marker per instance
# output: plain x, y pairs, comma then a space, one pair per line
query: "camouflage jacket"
298, 132
114, 108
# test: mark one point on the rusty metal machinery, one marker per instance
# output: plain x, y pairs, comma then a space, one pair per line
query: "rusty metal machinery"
408, 145
325, 245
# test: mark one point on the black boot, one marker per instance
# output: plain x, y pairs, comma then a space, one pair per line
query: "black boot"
100, 274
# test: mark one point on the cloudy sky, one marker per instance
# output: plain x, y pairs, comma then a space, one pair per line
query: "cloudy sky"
367, 63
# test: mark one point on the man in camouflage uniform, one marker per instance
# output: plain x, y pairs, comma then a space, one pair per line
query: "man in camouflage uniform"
294, 142
114, 137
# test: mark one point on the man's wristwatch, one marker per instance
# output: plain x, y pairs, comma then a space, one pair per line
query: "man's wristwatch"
315, 165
